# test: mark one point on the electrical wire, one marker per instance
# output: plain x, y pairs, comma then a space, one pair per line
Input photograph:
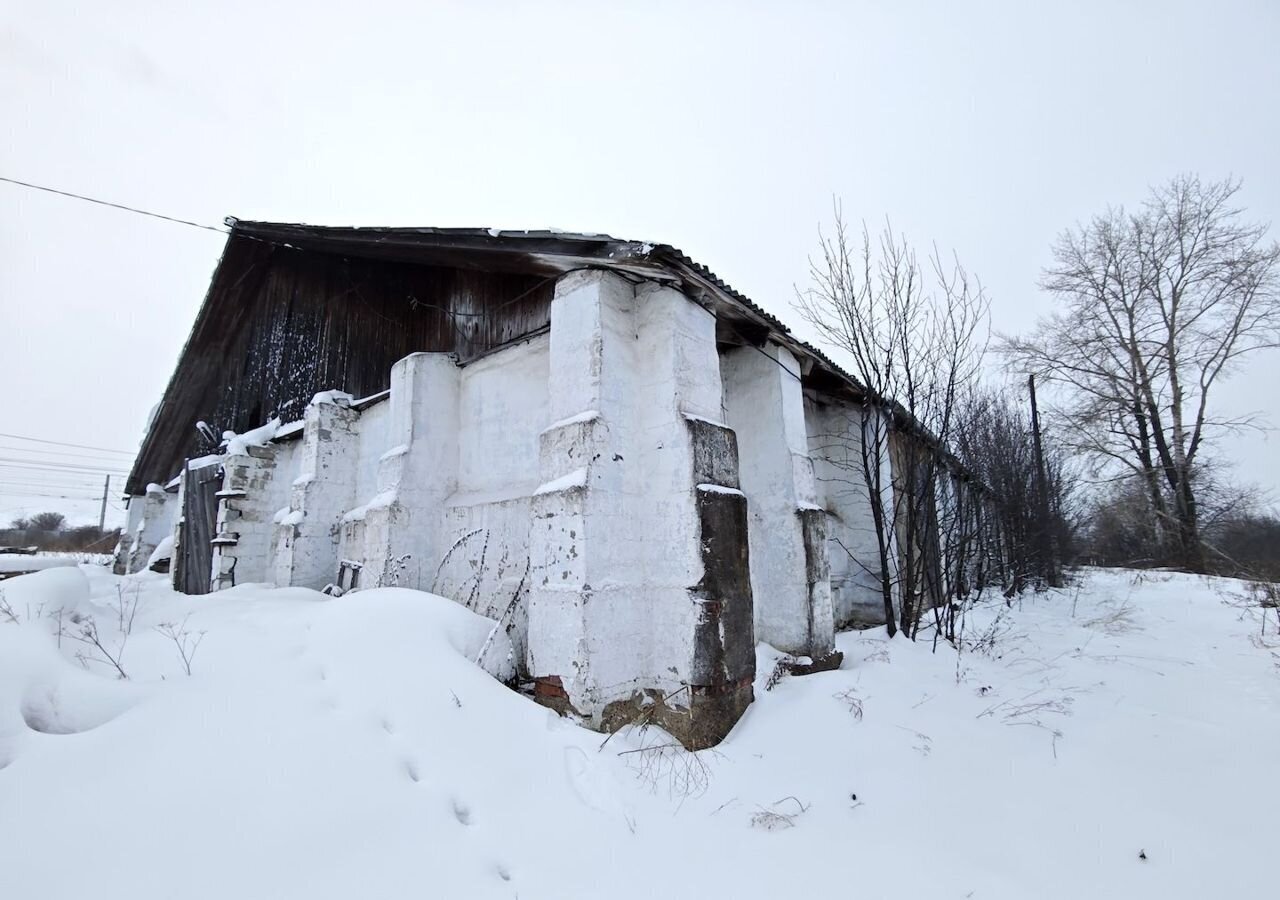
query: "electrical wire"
23, 437
121, 206
24, 469
414, 301
47, 452
53, 467
17, 478
16, 482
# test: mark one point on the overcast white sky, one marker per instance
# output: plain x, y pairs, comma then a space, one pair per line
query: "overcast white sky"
724, 129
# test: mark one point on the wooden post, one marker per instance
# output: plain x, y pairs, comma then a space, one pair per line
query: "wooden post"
1044, 538
102, 513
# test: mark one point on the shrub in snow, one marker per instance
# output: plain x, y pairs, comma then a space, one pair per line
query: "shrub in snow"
778, 815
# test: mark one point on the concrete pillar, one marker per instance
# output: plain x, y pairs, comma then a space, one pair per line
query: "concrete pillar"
586, 495
153, 523
693, 476
123, 555
790, 578
395, 536
306, 532
639, 590
245, 524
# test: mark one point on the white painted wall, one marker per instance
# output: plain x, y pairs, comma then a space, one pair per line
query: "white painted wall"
835, 441
150, 521
251, 493
372, 442
615, 546
562, 469
764, 404
504, 406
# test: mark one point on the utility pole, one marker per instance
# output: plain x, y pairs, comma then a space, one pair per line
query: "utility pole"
1044, 538
102, 513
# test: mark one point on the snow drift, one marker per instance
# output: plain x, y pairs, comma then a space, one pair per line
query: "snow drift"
1110, 740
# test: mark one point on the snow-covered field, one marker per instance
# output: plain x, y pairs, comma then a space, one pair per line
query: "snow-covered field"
349, 748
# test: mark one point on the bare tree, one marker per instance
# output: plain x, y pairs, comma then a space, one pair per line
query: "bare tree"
1030, 490
47, 521
1160, 306
914, 335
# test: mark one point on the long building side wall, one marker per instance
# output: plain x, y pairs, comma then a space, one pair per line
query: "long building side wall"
836, 437
790, 575
634, 505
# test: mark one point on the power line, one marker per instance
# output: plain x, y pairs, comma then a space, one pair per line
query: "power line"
56, 479
121, 206
59, 466
93, 482
52, 466
22, 462
20, 478
7, 478
45, 450
414, 301
55, 470
23, 437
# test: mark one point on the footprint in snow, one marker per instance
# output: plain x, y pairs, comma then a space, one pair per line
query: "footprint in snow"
461, 812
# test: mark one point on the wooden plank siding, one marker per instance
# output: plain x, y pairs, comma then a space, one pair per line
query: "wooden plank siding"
280, 324
194, 557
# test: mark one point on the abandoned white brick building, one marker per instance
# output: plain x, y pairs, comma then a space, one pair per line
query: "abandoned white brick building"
595, 442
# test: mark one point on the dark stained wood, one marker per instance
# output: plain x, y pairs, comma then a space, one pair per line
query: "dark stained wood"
199, 516
280, 324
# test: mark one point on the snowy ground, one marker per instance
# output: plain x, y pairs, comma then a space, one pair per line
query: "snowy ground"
348, 748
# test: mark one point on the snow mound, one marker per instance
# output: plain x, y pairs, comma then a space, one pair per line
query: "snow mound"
164, 550
1108, 740
20, 562
43, 693
60, 587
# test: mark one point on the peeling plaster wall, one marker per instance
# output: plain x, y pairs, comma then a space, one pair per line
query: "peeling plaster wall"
245, 525
123, 557
639, 558
635, 508
321, 480
764, 404
393, 536
482, 560
835, 441
502, 410
371, 444
151, 519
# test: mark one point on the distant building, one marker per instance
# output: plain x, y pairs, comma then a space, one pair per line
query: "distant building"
596, 442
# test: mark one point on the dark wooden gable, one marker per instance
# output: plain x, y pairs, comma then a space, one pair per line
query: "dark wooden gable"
280, 324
